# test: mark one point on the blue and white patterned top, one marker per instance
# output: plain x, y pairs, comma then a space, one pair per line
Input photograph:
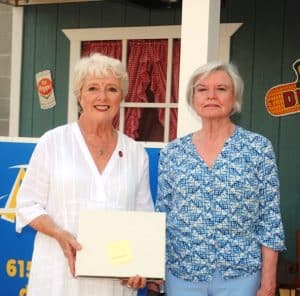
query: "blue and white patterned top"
218, 217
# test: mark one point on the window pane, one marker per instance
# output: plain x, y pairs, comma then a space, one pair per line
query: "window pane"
175, 70
173, 124
144, 124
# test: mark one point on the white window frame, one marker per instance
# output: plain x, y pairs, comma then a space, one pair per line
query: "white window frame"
124, 34
76, 36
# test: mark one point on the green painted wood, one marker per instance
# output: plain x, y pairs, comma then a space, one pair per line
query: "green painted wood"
177, 16
68, 18
136, 15
241, 52
267, 65
45, 56
289, 144
28, 85
91, 14
113, 13
224, 12
289, 164
162, 17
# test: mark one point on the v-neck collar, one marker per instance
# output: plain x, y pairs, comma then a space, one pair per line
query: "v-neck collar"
195, 152
88, 156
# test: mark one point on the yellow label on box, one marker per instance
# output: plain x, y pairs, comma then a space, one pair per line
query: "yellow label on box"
120, 252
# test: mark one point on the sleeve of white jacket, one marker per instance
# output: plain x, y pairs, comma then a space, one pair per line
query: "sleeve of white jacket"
33, 193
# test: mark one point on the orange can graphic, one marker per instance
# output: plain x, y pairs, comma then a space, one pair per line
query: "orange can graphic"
45, 89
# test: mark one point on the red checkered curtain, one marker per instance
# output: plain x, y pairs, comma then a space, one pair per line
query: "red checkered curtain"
147, 66
174, 88
111, 48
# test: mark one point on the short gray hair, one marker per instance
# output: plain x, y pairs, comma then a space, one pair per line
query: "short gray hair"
230, 69
99, 65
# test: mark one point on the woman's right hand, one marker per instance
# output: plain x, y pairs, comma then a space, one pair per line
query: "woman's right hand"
67, 241
70, 246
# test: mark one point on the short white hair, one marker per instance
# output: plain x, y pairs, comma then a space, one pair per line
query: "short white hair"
99, 65
230, 69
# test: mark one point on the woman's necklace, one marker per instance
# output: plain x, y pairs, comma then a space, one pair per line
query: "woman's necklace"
101, 151
104, 149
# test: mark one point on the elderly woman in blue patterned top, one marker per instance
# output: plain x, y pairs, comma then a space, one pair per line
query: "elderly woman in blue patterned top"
219, 187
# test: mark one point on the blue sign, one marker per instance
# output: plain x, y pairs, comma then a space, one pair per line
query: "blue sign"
15, 249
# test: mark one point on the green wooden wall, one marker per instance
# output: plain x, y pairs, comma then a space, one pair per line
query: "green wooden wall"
264, 49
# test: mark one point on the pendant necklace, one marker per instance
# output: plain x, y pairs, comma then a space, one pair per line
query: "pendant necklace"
101, 152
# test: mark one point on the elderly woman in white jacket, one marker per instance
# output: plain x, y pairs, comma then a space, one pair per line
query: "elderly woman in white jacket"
84, 164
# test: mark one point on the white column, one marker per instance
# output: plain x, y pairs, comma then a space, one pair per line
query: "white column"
16, 65
199, 44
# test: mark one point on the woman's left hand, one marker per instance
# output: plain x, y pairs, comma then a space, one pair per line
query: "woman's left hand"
134, 282
268, 273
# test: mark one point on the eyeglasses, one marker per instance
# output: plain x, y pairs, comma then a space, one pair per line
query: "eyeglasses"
109, 91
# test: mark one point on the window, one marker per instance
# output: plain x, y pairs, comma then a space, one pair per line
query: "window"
149, 112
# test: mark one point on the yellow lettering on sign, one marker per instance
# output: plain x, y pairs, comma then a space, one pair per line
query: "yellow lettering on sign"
11, 202
23, 291
18, 268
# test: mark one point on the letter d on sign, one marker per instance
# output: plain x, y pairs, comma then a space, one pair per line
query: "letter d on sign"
289, 99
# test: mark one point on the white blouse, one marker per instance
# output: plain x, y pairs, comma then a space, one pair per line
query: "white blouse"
61, 179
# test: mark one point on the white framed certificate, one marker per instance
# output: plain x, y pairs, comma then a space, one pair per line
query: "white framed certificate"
119, 244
